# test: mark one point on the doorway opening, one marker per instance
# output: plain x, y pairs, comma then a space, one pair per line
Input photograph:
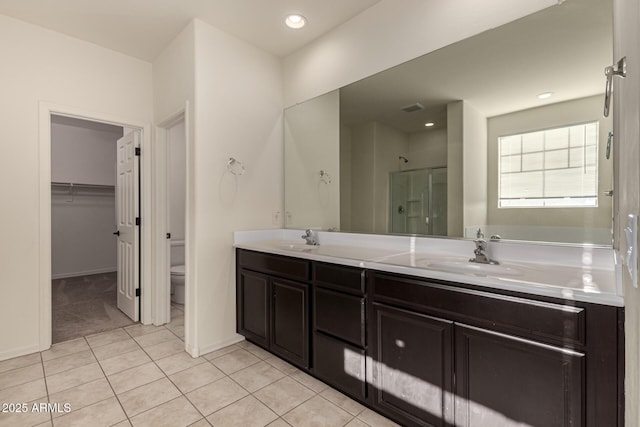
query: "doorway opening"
95, 226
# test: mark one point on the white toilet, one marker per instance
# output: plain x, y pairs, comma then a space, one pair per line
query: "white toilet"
177, 284
177, 272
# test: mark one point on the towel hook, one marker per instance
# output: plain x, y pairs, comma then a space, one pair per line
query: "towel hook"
235, 166
325, 178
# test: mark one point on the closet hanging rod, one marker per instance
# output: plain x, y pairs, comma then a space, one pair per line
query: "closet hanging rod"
73, 184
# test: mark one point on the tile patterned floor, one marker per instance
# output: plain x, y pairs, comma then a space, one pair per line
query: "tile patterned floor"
141, 376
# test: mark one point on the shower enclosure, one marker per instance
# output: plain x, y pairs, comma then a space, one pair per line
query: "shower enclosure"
418, 201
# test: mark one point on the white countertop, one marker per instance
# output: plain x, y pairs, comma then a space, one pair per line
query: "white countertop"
581, 273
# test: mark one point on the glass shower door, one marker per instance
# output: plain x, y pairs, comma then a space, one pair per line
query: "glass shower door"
419, 201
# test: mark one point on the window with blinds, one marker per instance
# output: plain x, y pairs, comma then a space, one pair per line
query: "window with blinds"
549, 168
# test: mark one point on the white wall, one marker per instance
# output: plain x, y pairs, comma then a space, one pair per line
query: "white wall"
389, 144
455, 169
345, 178
238, 113
41, 65
428, 149
362, 188
474, 165
82, 223
388, 34
311, 145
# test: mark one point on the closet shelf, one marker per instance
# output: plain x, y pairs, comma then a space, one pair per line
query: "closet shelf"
79, 185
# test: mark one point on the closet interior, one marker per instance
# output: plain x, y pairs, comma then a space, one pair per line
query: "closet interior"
83, 219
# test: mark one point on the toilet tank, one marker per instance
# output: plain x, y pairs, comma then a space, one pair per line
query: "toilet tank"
177, 252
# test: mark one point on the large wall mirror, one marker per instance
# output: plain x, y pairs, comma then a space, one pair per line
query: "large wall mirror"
501, 134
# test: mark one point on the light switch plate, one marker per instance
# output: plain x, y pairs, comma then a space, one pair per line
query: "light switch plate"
631, 256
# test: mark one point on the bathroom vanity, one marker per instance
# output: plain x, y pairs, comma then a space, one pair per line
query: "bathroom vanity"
424, 349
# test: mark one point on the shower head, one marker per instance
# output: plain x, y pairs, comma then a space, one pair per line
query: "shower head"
404, 159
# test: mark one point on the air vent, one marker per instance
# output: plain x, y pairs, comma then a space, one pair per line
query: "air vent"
413, 107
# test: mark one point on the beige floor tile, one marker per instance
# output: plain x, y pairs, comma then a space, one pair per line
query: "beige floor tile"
124, 423
356, 423
155, 338
284, 395
25, 416
279, 423
374, 419
246, 412
256, 376
139, 329
177, 330
234, 361
45, 424
175, 321
148, 396
179, 362
135, 377
164, 349
196, 377
105, 338
20, 362
317, 411
202, 423
64, 348
309, 381
257, 351
221, 352
19, 376
344, 402
281, 365
175, 413
26, 392
83, 395
70, 361
104, 413
73, 377
124, 361
217, 395
115, 349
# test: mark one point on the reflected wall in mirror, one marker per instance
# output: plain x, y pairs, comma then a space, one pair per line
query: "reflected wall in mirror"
416, 149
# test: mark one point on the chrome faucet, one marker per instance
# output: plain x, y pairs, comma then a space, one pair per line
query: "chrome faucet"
482, 257
310, 237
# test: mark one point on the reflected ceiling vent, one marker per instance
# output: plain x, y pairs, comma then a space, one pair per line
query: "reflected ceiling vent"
413, 107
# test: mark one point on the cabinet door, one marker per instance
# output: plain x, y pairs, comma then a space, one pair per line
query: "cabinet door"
340, 364
412, 366
290, 324
507, 381
253, 307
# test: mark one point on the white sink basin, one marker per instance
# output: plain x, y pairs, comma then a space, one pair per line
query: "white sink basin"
298, 247
466, 267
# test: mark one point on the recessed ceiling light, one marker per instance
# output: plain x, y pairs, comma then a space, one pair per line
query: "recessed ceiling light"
429, 124
545, 95
295, 21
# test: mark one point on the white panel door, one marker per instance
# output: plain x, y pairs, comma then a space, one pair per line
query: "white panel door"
127, 210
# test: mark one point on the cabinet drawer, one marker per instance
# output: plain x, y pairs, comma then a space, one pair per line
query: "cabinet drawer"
549, 322
291, 268
339, 277
340, 315
340, 364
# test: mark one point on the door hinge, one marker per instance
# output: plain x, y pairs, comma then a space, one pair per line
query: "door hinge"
138, 292
137, 151
137, 220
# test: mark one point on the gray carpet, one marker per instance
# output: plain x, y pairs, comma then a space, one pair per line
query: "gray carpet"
85, 305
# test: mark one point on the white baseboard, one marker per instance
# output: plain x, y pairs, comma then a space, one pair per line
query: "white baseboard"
15, 352
83, 273
217, 346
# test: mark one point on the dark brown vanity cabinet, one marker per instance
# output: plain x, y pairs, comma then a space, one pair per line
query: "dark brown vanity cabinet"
272, 309
433, 353
339, 328
448, 354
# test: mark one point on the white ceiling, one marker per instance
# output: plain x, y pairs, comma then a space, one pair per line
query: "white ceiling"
142, 28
